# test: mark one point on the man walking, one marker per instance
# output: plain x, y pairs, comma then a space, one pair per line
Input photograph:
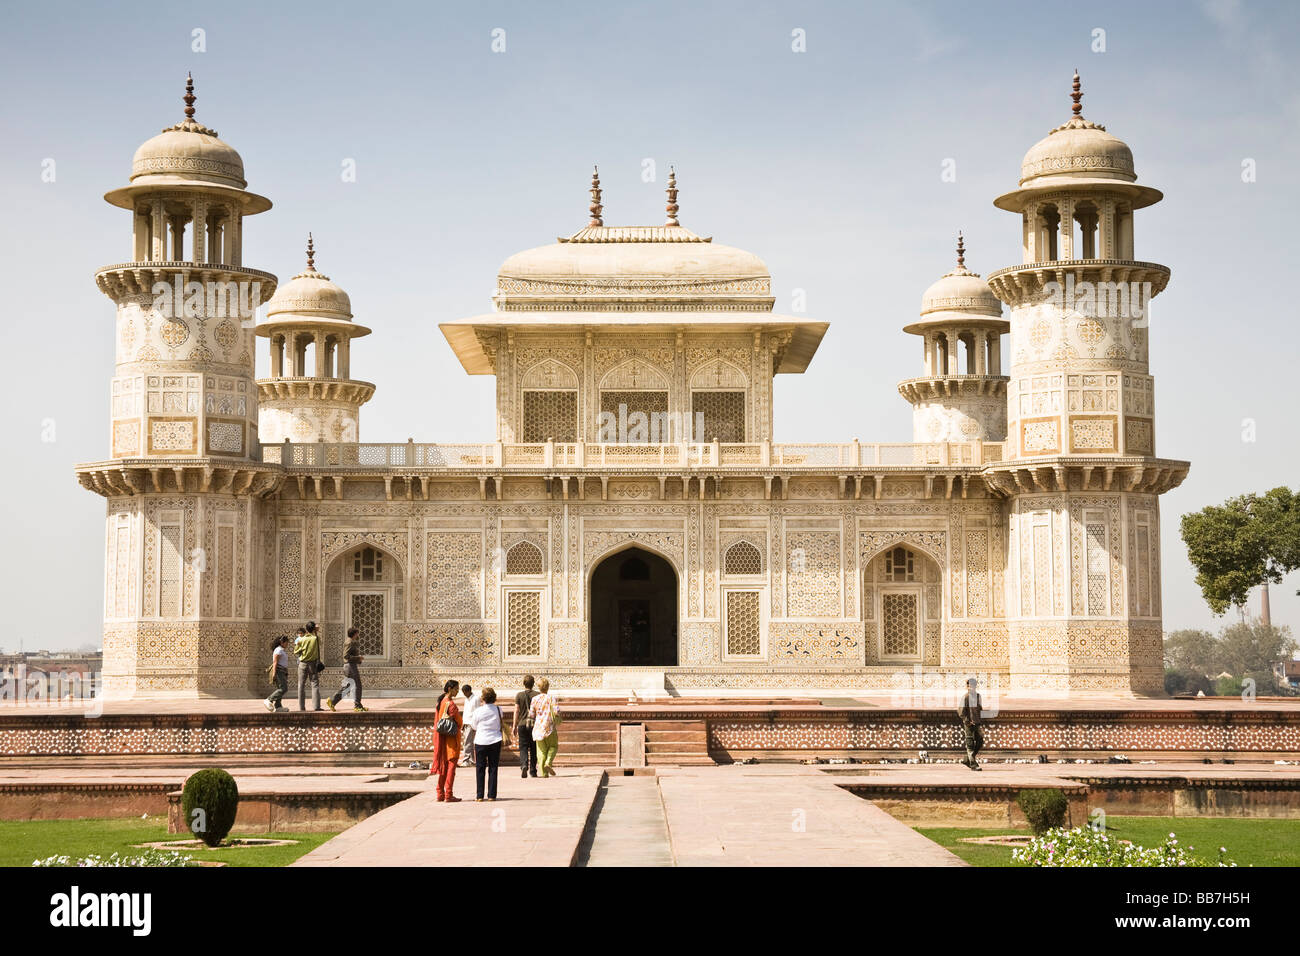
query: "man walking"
971, 723
467, 743
351, 671
310, 663
523, 729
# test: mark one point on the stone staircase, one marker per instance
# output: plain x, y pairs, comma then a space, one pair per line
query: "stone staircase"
679, 743
595, 743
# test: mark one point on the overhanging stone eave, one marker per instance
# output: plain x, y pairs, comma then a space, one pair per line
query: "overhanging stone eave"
463, 335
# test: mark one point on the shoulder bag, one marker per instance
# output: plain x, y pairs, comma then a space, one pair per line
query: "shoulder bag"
446, 725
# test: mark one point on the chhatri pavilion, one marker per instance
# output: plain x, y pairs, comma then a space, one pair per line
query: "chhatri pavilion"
634, 523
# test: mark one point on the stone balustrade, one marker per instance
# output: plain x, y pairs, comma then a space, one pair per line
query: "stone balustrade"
499, 455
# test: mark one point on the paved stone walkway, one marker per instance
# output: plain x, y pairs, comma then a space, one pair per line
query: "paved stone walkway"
533, 822
629, 828
783, 816
705, 816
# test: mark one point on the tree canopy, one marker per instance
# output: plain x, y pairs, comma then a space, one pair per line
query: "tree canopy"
1245, 542
1194, 658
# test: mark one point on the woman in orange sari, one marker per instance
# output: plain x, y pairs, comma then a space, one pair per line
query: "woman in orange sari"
446, 747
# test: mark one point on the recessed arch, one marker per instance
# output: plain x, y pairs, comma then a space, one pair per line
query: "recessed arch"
633, 374
549, 373
365, 588
902, 601
632, 602
719, 373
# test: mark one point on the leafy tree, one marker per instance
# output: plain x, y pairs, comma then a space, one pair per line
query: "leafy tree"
1246, 542
1249, 649
1192, 652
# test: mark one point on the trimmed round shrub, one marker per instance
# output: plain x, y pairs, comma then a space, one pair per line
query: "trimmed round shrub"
209, 802
1045, 809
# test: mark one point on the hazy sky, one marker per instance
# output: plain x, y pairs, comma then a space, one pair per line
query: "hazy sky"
826, 163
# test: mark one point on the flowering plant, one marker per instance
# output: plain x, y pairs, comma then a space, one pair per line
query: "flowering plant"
1086, 846
147, 858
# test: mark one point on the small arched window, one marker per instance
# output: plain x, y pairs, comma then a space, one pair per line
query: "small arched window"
900, 565
367, 565
742, 558
524, 558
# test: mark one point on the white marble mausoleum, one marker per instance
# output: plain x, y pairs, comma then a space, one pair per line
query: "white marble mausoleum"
634, 521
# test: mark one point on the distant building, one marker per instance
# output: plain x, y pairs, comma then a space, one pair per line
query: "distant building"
50, 674
1287, 674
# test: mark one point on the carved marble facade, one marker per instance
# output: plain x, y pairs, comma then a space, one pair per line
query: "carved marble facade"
1031, 561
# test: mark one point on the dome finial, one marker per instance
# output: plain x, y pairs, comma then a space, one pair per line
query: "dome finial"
596, 207
961, 251
1076, 94
189, 96
311, 253
672, 197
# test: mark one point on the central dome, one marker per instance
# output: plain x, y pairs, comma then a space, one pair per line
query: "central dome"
600, 267
634, 252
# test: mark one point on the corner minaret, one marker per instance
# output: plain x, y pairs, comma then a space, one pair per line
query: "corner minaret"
1079, 300
310, 396
1079, 469
963, 394
184, 483
185, 301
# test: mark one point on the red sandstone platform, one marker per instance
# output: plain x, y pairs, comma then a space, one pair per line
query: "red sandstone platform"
921, 703
666, 732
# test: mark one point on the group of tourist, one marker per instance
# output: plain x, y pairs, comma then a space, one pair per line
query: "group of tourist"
474, 737
477, 735
309, 651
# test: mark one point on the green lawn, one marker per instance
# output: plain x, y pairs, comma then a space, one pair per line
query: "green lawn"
1249, 842
22, 841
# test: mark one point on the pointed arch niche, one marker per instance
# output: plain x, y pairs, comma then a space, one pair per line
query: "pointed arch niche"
364, 589
902, 602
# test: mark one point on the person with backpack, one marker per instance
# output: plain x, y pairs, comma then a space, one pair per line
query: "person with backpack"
311, 661
446, 742
351, 672
546, 723
489, 738
279, 673
523, 729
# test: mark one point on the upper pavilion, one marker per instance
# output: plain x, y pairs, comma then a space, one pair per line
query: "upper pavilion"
654, 319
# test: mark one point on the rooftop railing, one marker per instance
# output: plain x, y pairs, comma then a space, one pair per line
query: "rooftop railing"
532, 456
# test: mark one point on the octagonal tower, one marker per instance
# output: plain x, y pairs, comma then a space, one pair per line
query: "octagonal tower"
184, 484
316, 400
963, 394
1079, 467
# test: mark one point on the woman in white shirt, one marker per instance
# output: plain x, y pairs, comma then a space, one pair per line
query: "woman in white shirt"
490, 735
